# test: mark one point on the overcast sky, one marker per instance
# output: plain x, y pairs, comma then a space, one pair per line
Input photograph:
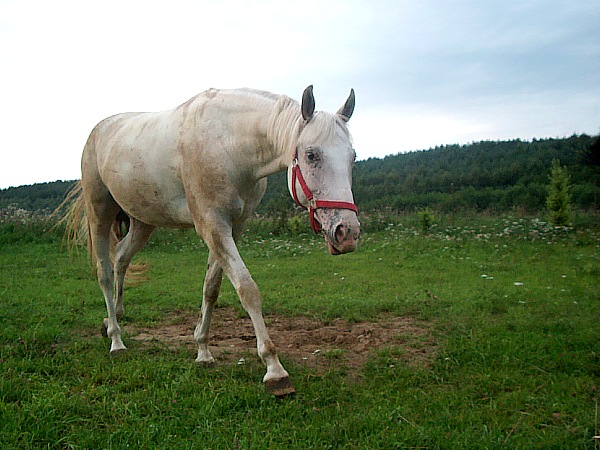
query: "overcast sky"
426, 72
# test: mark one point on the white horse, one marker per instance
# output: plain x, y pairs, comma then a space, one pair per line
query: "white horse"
204, 165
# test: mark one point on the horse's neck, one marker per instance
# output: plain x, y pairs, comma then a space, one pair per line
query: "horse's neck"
270, 127
281, 130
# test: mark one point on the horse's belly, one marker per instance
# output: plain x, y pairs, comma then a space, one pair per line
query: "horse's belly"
155, 200
154, 210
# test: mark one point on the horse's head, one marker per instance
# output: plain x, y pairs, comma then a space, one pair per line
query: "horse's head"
320, 175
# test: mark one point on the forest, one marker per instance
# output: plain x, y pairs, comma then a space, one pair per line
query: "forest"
493, 176
490, 175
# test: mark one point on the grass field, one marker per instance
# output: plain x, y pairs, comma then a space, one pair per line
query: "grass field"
510, 308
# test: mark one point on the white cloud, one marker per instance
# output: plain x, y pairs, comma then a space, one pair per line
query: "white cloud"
412, 129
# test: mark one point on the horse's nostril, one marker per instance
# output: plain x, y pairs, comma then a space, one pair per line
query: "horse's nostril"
340, 233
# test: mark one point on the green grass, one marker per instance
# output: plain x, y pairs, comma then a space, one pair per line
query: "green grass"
513, 305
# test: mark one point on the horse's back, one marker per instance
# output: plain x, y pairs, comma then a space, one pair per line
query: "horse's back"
150, 162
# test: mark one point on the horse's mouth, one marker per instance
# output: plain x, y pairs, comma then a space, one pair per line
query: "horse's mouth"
332, 249
341, 239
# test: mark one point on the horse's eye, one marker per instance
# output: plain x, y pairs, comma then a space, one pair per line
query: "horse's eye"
312, 155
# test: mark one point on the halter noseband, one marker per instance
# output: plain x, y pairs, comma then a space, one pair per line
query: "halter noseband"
313, 203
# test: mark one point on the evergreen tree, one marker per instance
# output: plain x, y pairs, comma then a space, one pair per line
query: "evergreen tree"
558, 201
590, 157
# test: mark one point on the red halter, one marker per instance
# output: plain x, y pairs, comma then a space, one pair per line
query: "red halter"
313, 203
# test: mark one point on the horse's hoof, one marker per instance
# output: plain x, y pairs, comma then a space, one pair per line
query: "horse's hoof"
280, 388
118, 352
104, 328
209, 364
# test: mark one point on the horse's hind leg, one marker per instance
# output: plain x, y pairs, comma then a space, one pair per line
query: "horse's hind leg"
101, 212
137, 237
210, 292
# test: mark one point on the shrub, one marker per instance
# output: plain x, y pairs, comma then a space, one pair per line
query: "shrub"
426, 219
558, 201
297, 225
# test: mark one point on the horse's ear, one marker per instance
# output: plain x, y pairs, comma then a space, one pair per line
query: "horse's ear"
346, 111
308, 103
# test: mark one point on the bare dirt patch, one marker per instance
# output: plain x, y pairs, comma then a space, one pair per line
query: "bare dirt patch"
308, 341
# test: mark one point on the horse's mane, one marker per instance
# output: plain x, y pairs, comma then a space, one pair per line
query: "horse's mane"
286, 123
326, 126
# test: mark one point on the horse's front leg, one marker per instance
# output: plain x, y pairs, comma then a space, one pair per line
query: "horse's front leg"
226, 254
210, 293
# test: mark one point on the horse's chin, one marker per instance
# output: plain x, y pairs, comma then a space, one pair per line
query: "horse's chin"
332, 250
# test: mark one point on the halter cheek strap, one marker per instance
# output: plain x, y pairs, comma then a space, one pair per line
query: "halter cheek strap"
313, 203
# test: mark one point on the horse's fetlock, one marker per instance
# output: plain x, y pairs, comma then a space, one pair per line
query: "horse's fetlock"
267, 349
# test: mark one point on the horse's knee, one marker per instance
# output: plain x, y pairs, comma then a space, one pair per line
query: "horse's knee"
105, 275
249, 294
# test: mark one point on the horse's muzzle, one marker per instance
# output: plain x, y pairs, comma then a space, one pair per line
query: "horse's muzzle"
342, 236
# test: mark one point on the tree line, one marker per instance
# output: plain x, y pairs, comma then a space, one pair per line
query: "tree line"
488, 175
40, 197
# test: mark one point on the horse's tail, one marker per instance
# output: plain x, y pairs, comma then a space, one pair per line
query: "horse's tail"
71, 214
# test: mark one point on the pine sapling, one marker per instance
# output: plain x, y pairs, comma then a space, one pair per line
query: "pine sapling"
558, 201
